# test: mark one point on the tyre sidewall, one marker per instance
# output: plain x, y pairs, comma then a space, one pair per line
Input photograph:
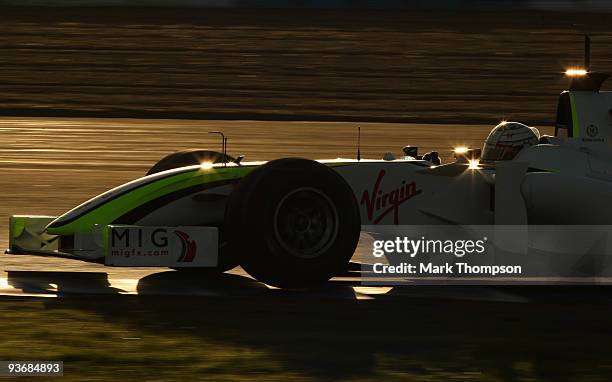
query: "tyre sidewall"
261, 253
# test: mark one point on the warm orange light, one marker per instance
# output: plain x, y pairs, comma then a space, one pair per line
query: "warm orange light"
206, 165
575, 72
473, 164
461, 150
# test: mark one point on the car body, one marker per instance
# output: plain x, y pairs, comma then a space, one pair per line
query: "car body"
187, 217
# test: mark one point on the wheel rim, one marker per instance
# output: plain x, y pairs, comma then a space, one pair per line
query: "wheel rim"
306, 222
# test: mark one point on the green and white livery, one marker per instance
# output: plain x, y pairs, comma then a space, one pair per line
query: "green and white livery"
295, 222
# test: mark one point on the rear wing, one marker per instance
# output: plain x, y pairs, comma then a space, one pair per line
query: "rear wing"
584, 112
585, 115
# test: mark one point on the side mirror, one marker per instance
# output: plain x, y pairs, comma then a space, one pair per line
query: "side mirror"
411, 151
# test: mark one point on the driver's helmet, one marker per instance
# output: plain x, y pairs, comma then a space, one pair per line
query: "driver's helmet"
507, 139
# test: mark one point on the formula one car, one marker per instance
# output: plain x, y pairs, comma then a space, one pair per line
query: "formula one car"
295, 222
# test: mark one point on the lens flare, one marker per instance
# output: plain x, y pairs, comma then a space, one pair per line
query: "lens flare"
575, 72
206, 165
473, 164
461, 150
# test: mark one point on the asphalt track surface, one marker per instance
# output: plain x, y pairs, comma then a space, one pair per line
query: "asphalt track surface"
49, 165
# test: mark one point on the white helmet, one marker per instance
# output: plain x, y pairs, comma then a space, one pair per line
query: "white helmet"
507, 139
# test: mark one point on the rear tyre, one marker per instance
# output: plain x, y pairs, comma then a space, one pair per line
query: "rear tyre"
293, 223
188, 158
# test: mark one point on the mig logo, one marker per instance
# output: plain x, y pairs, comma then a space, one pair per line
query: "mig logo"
189, 247
379, 202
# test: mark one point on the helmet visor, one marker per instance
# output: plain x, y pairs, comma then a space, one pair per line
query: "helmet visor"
499, 152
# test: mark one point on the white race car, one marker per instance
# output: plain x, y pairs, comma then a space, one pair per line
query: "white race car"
294, 222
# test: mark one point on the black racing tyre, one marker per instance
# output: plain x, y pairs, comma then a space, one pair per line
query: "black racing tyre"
188, 158
292, 223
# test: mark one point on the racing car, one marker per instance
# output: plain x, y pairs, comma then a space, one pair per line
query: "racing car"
294, 222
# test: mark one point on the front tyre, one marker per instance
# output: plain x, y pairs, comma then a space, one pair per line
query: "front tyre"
293, 223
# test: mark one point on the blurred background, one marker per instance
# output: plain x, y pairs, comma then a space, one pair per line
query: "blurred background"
94, 92
385, 61
389, 4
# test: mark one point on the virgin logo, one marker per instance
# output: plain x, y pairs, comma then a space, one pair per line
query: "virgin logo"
380, 203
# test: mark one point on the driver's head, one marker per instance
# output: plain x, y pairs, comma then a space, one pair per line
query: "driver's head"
507, 139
